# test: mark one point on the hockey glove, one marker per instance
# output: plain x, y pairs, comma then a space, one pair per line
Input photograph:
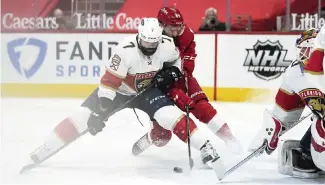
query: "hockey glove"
180, 99
188, 66
96, 120
166, 77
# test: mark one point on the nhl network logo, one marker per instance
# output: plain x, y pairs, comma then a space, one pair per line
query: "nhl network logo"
27, 55
267, 60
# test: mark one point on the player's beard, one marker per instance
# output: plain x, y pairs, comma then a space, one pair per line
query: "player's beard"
148, 51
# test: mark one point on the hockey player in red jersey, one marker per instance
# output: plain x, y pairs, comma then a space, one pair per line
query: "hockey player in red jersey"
186, 92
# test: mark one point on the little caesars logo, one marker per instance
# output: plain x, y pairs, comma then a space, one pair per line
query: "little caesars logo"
267, 60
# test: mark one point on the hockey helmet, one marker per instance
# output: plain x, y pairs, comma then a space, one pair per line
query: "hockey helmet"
305, 44
149, 35
172, 20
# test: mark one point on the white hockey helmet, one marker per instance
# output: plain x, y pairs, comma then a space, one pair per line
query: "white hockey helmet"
305, 44
149, 35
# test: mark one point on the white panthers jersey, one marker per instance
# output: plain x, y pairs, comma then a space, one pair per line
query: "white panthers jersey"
294, 88
315, 64
128, 71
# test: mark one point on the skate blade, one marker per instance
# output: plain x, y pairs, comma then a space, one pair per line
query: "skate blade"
219, 168
27, 168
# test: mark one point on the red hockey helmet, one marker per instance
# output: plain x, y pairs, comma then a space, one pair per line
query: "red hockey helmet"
172, 20
170, 16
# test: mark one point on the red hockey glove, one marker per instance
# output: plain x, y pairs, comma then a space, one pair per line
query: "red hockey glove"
180, 98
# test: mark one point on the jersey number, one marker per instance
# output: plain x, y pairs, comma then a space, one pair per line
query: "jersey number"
166, 39
131, 45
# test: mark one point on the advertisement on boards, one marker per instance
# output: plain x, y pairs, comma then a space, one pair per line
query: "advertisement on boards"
56, 58
70, 62
126, 15
251, 65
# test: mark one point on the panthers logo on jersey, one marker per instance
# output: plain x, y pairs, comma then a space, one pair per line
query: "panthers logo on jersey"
314, 98
142, 80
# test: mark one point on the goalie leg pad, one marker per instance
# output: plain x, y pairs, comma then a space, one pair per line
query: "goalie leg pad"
318, 143
293, 162
285, 156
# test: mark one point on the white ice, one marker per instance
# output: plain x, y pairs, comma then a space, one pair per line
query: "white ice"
107, 158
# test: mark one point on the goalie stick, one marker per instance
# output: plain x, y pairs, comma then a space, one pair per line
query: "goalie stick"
260, 150
31, 166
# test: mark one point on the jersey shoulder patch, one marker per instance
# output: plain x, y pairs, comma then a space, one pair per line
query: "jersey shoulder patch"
128, 42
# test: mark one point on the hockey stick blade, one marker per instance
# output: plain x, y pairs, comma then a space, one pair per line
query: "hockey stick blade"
253, 154
260, 150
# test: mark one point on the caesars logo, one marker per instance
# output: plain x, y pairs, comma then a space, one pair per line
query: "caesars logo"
267, 60
10, 21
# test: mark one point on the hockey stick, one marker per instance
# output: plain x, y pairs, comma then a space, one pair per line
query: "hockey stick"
31, 166
191, 163
259, 150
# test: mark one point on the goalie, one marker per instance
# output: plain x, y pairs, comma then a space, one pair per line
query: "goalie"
304, 158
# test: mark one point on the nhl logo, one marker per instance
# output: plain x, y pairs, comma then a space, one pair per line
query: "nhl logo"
267, 60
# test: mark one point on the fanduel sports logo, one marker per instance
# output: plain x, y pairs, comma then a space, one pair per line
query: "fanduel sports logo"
267, 60
27, 55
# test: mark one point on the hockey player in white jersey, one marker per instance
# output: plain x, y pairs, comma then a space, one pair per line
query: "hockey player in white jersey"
304, 158
139, 60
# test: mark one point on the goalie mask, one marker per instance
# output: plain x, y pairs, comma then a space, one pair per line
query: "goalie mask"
149, 36
305, 44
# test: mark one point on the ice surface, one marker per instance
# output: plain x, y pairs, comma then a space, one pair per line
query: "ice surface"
107, 158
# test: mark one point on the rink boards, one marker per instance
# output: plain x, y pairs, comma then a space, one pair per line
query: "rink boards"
229, 67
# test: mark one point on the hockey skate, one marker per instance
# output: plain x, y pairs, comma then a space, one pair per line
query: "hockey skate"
210, 158
141, 145
208, 153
